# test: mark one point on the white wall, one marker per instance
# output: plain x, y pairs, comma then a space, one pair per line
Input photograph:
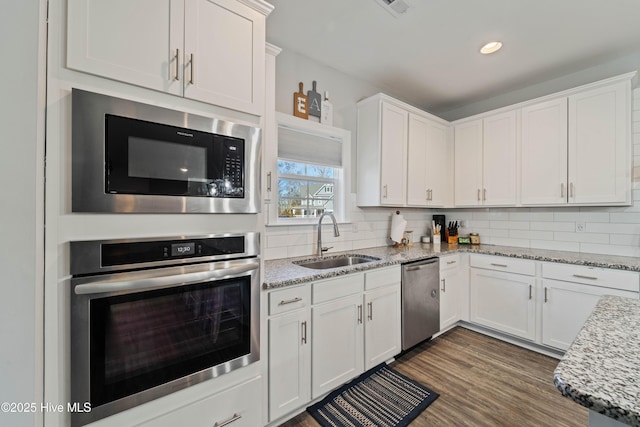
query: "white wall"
21, 221
608, 230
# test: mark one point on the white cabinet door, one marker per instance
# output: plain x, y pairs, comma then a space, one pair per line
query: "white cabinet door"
289, 362
224, 54
393, 155
439, 166
566, 306
499, 160
468, 163
418, 161
503, 301
337, 346
136, 42
450, 296
382, 325
599, 135
543, 167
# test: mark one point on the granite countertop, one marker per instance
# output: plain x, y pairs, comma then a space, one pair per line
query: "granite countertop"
601, 369
283, 272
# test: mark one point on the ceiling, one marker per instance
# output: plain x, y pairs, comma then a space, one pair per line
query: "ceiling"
429, 56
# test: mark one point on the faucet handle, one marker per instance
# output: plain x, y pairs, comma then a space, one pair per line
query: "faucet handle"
325, 248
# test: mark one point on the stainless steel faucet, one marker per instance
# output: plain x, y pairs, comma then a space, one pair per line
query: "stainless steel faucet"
336, 232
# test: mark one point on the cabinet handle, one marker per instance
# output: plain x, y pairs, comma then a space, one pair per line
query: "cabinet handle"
191, 78
545, 295
571, 190
530, 290
290, 301
430, 194
370, 306
444, 285
562, 189
177, 76
384, 194
580, 276
478, 194
499, 265
234, 417
303, 325
451, 262
269, 181
484, 194
360, 313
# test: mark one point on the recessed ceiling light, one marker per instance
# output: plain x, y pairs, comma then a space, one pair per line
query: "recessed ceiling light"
490, 47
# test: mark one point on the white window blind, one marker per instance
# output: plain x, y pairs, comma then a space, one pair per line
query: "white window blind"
305, 147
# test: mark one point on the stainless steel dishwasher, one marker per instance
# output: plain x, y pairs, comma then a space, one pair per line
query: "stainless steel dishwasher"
420, 301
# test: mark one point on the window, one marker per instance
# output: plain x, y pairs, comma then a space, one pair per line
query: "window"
310, 165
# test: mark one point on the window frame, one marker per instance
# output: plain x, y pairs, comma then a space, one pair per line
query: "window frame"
342, 180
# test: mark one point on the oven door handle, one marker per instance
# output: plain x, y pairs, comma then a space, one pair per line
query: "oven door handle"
165, 281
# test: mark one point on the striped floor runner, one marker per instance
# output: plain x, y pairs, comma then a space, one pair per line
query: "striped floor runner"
381, 397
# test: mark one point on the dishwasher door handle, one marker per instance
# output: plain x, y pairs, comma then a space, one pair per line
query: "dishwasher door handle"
421, 266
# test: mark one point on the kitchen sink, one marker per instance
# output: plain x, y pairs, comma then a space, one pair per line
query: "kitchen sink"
337, 261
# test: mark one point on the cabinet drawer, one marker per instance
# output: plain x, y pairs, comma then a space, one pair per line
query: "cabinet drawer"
450, 261
329, 289
289, 299
605, 277
383, 277
498, 263
237, 407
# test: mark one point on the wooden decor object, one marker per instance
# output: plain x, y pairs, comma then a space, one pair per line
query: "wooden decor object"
300, 104
315, 100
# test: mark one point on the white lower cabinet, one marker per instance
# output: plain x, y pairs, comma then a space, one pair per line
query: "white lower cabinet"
503, 301
238, 406
568, 301
337, 350
323, 334
450, 291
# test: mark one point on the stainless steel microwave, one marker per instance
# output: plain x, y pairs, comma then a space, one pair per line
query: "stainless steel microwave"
130, 157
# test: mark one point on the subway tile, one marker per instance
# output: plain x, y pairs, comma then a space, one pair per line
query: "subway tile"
288, 240
479, 223
610, 249
531, 216
555, 245
613, 228
302, 250
492, 232
511, 225
553, 226
275, 253
527, 234
505, 241
625, 218
582, 237
493, 215
625, 239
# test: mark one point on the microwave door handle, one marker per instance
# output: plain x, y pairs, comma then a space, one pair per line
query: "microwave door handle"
163, 282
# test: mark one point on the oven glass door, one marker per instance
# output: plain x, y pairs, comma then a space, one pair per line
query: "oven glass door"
157, 159
144, 339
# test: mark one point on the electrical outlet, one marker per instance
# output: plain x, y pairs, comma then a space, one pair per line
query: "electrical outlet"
462, 223
580, 227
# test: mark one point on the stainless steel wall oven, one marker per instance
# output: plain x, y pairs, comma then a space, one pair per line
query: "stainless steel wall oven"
133, 157
152, 316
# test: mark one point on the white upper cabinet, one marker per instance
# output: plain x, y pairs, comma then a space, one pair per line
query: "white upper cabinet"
468, 163
405, 157
207, 50
382, 153
599, 145
134, 42
499, 160
429, 167
576, 149
485, 161
544, 153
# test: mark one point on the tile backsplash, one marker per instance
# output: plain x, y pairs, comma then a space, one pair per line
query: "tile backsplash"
606, 230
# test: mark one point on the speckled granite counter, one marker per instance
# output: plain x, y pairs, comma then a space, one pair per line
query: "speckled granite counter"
601, 369
282, 272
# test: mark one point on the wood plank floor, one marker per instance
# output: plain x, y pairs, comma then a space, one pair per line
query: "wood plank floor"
483, 382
